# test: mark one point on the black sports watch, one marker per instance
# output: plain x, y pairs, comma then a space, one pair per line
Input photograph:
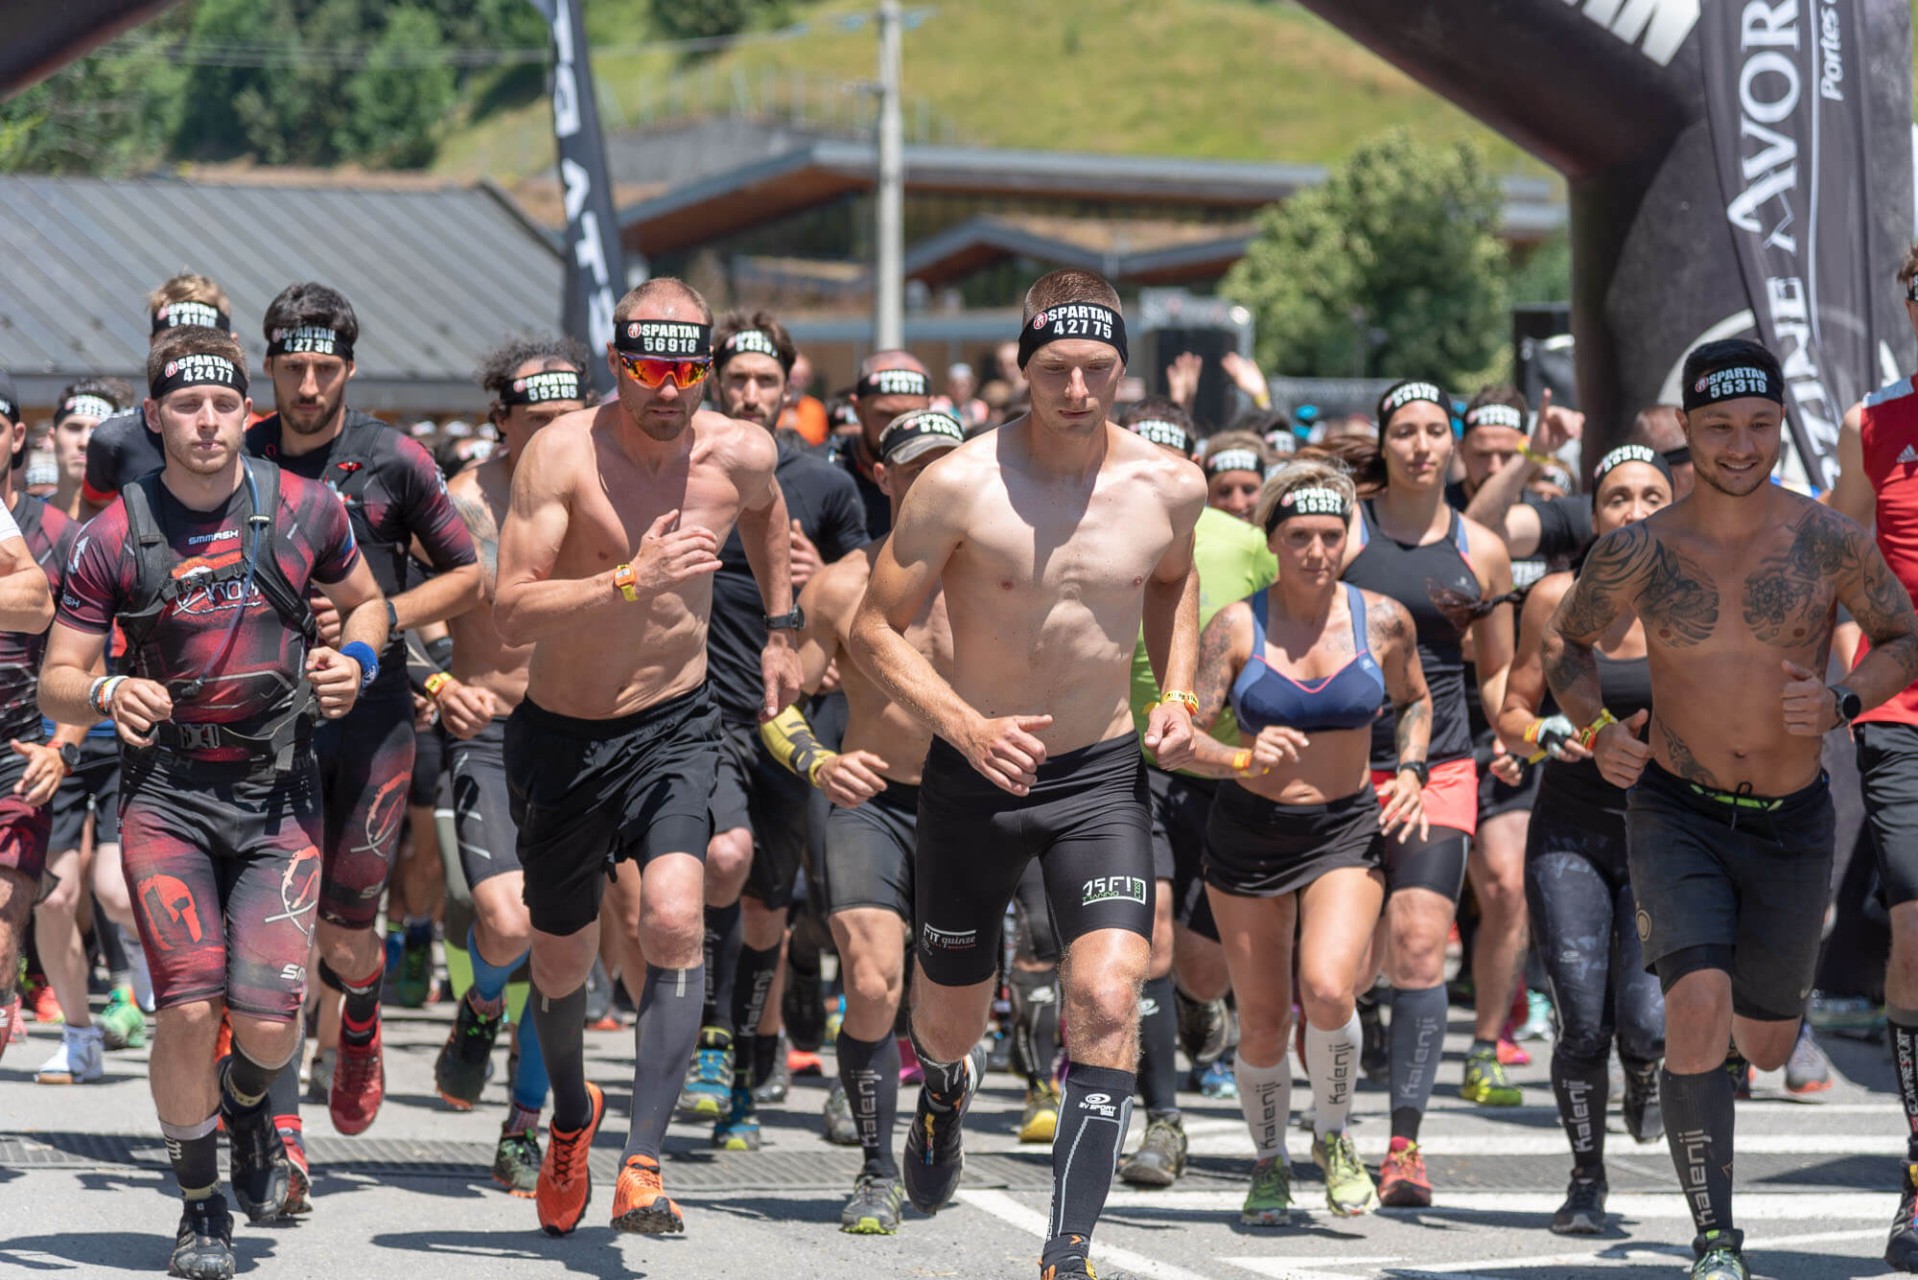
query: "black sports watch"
1848, 704
70, 757
793, 621
1418, 769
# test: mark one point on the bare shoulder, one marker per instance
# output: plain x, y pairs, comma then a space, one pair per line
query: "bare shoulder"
565, 443
742, 448
1385, 618
1178, 479
1547, 592
835, 591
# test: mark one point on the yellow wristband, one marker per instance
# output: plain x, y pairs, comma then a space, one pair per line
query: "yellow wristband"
435, 682
626, 580
1589, 733
1533, 456
1241, 760
1188, 700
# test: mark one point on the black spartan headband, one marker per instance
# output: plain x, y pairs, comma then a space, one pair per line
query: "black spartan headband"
197, 371
1629, 453
755, 341
664, 339
308, 339
1733, 382
1160, 432
1233, 460
173, 315
1314, 500
893, 382
1405, 393
543, 388
85, 406
1090, 320
1494, 415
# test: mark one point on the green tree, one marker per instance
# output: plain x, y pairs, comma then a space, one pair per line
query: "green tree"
112, 111
1393, 266
400, 97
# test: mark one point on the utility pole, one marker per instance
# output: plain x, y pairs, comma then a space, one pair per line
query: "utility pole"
888, 284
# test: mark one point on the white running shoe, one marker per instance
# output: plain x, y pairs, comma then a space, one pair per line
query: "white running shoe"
79, 1058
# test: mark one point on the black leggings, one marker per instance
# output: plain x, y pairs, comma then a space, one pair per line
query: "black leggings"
1583, 930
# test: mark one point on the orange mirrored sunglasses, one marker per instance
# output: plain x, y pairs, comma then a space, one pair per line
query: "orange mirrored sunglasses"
651, 372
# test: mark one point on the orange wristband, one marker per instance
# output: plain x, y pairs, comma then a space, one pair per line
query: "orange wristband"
435, 682
625, 579
1241, 760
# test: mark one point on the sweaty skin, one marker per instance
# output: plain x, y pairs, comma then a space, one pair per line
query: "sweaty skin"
481, 659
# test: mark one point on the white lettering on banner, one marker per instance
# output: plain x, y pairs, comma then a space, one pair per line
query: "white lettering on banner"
1831, 46
577, 182
1662, 24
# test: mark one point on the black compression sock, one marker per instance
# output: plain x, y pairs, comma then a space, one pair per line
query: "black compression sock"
755, 983
561, 1026
245, 1082
721, 956
1580, 1087
1093, 1114
1418, 1036
1904, 1055
1035, 1022
283, 1094
869, 1072
765, 1057
1698, 1129
194, 1152
662, 1042
1158, 1041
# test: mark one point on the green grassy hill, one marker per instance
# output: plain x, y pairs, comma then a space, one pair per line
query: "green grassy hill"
1204, 78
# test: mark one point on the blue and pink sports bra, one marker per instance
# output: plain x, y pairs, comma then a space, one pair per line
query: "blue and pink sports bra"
1349, 698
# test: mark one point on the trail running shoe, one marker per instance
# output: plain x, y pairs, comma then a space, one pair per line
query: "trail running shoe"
122, 1022
42, 1005
1644, 1117
1402, 1180
1160, 1159
738, 1129
516, 1162
1808, 1070
413, 987
1348, 1187
460, 1071
1219, 1081
1740, 1071
1071, 1267
77, 1060
776, 1081
1041, 1118
203, 1247
1485, 1082
1268, 1202
565, 1185
1901, 1251
708, 1091
258, 1170
1583, 1213
1202, 1026
935, 1148
299, 1179
1719, 1256
319, 1076
841, 1129
359, 1084
874, 1209
640, 1202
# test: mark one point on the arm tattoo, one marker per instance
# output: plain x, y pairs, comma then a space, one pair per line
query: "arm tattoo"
485, 531
1215, 667
1412, 735
1684, 763
1788, 596
1883, 611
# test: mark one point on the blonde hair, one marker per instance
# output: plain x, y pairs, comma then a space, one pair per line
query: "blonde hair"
189, 287
1302, 473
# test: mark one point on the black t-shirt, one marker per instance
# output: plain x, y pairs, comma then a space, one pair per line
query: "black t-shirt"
1564, 525
826, 504
878, 507
120, 450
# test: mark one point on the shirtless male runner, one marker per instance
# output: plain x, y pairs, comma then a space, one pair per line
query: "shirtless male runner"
1730, 822
534, 381
1055, 537
873, 783
605, 567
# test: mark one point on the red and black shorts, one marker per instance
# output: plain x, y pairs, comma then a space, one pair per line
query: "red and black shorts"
222, 864
23, 827
366, 776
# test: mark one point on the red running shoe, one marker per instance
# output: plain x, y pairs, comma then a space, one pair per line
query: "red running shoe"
359, 1083
1402, 1180
565, 1184
299, 1191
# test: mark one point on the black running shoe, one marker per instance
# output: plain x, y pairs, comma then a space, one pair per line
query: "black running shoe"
1583, 1213
203, 1248
459, 1073
935, 1150
260, 1174
1202, 1026
1644, 1119
1901, 1251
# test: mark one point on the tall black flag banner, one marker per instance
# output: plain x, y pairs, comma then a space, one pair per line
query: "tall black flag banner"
595, 271
1784, 90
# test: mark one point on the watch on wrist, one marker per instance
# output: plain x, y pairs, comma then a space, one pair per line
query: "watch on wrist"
1847, 704
794, 620
1418, 769
70, 756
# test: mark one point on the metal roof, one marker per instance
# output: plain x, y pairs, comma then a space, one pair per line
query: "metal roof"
436, 276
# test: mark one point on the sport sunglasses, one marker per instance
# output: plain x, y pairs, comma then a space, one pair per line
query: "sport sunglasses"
649, 372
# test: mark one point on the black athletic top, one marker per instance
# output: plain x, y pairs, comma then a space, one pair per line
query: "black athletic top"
822, 498
1626, 686
878, 506
120, 450
50, 538
1422, 578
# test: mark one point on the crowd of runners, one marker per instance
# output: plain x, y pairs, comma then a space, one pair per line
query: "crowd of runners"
927, 725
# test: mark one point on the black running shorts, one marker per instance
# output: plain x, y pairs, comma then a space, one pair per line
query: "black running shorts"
1180, 807
1258, 848
754, 791
93, 788
589, 793
1888, 770
869, 852
1086, 820
483, 805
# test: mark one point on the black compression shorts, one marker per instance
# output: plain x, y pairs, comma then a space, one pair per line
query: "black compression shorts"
1888, 770
482, 805
429, 761
1258, 848
1713, 878
366, 772
753, 791
1180, 807
588, 793
1087, 822
93, 788
869, 852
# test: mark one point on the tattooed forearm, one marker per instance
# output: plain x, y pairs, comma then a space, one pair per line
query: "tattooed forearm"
1412, 735
485, 531
1217, 668
1683, 762
1883, 610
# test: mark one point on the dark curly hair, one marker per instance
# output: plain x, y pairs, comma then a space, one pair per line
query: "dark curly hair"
499, 365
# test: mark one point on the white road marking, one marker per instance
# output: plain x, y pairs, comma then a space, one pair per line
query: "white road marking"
1752, 1206
1033, 1222
1550, 1143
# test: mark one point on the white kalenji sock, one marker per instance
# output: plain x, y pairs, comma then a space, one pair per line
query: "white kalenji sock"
1331, 1063
1265, 1096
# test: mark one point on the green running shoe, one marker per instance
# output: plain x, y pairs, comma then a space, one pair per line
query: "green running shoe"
875, 1206
125, 1026
516, 1162
1720, 1256
708, 1090
1348, 1187
1269, 1202
413, 989
738, 1129
1485, 1081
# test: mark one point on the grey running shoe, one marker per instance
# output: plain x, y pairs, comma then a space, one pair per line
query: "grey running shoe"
1583, 1213
874, 1209
841, 1129
1160, 1158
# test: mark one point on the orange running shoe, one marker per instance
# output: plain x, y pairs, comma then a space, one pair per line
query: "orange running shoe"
640, 1203
1402, 1180
43, 1006
565, 1185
